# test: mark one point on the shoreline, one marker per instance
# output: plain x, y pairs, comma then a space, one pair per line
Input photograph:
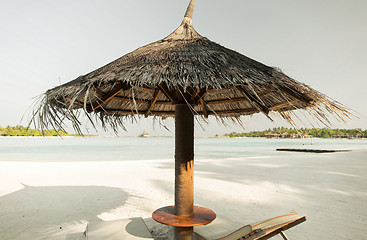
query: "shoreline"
197, 137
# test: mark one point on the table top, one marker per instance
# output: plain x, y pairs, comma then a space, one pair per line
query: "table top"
166, 215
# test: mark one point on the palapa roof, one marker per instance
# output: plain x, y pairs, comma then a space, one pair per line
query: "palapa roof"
184, 67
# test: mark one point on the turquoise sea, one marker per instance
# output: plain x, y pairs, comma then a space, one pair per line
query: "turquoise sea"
151, 148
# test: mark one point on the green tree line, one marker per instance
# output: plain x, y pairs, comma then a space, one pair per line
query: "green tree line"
314, 132
24, 131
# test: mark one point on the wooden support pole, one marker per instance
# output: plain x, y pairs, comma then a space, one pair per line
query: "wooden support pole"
107, 97
283, 235
167, 93
204, 108
184, 168
154, 100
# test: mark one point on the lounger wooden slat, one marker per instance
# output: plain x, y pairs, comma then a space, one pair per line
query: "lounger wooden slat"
278, 229
229, 230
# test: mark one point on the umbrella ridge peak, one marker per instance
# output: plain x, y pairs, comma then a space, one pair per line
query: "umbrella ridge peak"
186, 30
189, 11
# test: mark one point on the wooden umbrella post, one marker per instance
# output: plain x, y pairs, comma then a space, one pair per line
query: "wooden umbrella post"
184, 215
184, 168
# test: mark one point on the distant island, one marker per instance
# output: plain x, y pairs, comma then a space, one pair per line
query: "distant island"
20, 131
282, 132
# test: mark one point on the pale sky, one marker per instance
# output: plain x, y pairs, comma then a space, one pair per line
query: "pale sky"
44, 43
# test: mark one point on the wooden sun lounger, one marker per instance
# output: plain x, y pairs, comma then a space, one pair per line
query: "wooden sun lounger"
229, 230
125, 229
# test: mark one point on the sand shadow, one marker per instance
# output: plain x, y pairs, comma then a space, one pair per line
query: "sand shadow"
37, 211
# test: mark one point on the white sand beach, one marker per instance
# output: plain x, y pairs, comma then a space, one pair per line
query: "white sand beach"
55, 200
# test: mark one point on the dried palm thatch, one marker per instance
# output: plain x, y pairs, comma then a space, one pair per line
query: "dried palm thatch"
184, 67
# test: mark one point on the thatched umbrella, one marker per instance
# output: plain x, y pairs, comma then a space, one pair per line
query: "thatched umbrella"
182, 76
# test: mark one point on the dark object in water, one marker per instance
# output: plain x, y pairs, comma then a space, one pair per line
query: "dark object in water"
310, 150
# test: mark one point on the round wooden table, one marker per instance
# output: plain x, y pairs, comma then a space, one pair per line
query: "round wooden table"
167, 216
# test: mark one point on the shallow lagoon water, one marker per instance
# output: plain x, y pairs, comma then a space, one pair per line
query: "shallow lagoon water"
135, 148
